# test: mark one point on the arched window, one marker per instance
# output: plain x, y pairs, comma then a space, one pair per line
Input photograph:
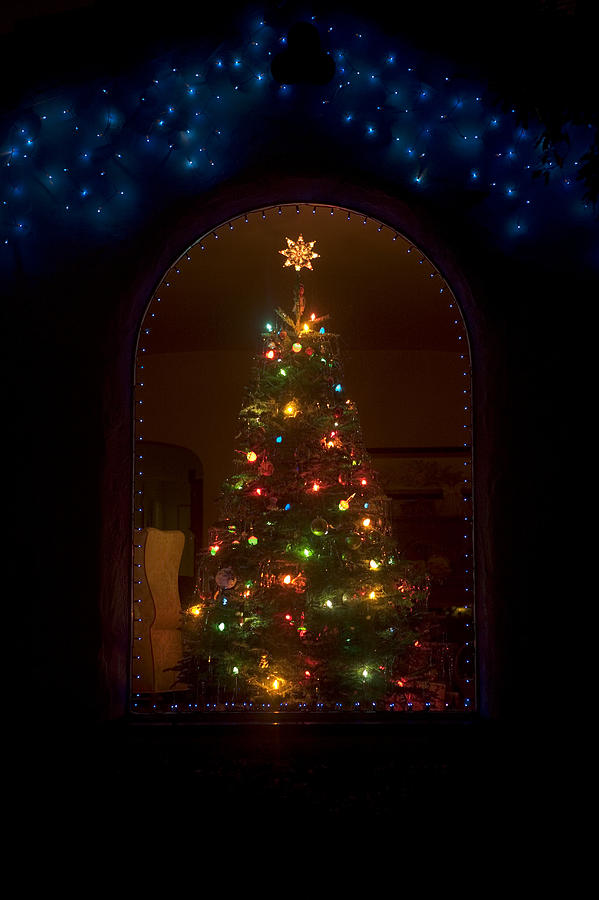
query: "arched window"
406, 362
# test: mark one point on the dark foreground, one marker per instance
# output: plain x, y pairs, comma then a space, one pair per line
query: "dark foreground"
282, 769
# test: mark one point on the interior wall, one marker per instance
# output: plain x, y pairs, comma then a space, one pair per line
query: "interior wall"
193, 400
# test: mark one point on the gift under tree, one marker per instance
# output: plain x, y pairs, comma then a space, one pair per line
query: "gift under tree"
302, 597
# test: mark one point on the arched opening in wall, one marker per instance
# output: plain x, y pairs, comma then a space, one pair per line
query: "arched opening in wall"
321, 553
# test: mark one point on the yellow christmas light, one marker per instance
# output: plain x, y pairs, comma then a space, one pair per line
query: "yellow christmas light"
299, 253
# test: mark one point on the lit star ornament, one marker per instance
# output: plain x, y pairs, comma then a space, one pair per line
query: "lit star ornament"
299, 253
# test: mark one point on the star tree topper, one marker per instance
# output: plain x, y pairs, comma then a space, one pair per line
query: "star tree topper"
299, 253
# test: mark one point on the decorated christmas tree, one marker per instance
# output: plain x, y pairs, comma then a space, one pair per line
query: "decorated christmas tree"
302, 596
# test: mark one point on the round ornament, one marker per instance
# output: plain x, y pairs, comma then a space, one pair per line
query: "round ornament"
353, 541
266, 467
319, 526
226, 578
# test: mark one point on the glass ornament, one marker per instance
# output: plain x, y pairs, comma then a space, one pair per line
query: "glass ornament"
319, 526
226, 578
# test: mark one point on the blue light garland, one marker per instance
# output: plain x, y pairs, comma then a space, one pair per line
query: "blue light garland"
95, 159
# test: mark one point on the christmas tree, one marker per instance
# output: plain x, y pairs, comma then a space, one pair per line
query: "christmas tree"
302, 597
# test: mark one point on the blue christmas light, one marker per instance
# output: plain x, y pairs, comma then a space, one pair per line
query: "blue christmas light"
59, 128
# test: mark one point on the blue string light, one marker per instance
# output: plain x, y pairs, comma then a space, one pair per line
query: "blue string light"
423, 116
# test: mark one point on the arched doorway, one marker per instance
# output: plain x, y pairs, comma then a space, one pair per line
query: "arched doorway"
408, 368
